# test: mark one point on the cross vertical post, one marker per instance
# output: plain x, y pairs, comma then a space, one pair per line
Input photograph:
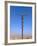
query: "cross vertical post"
22, 25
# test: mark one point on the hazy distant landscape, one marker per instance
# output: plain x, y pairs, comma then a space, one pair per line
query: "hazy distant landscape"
19, 36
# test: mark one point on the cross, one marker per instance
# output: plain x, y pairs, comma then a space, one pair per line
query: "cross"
23, 24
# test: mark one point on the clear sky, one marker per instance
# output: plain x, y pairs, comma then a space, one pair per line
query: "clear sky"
16, 13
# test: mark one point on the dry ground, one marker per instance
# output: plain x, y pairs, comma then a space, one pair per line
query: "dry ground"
15, 36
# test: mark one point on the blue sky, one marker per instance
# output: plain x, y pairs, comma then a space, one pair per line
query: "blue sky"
16, 13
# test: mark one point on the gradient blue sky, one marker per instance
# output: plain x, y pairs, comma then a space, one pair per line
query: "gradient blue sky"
15, 19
